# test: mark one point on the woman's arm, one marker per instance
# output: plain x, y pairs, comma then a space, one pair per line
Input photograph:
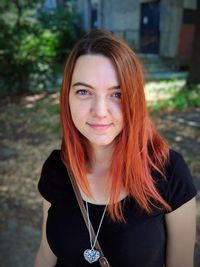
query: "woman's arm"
45, 257
181, 234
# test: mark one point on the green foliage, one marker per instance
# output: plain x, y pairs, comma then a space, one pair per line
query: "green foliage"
28, 61
184, 97
54, 110
32, 41
65, 23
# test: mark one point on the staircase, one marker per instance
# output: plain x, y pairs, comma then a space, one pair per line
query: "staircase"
156, 68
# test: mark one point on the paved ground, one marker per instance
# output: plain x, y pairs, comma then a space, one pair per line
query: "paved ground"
23, 148
18, 244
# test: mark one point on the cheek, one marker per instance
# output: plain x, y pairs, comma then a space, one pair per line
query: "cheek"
117, 113
78, 112
73, 110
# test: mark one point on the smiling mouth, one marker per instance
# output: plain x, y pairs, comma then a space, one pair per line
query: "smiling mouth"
99, 126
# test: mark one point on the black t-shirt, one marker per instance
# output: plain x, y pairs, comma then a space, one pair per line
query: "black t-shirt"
140, 242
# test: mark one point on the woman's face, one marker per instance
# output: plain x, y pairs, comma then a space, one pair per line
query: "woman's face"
95, 100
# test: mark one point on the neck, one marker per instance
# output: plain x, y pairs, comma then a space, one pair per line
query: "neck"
102, 157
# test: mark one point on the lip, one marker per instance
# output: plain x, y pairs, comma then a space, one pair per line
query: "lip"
99, 126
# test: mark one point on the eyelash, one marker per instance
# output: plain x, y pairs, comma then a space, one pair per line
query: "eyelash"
118, 95
84, 92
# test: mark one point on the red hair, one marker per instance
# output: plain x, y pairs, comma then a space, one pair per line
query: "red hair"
139, 148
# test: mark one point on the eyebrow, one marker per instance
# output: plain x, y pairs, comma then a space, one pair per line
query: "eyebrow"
90, 86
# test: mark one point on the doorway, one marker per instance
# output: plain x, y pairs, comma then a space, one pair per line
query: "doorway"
149, 28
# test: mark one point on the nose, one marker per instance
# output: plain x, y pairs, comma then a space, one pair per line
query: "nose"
99, 107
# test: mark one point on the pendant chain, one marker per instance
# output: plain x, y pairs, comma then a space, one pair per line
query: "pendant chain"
89, 225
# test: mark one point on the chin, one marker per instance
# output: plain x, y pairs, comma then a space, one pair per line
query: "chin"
102, 144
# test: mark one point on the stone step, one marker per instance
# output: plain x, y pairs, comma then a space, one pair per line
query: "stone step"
165, 75
152, 60
152, 63
148, 56
156, 68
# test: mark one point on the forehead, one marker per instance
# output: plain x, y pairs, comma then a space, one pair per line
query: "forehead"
94, 68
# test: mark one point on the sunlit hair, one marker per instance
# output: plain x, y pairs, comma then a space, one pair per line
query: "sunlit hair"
139, 148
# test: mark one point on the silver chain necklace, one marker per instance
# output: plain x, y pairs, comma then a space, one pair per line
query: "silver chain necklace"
92, 255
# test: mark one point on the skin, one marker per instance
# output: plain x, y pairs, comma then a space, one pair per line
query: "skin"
45, 257
94, 101
95, 106
181, 233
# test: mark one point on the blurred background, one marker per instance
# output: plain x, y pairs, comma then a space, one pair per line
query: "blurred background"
35, 40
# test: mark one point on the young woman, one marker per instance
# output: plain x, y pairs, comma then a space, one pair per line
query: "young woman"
138, 193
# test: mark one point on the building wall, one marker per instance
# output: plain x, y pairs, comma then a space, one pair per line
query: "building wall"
170, 24
83, 9
190, 4
123, 18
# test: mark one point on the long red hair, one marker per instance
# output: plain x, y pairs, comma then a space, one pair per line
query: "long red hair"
139, 148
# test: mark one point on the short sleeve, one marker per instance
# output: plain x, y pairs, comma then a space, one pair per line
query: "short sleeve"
52, 182
180, 186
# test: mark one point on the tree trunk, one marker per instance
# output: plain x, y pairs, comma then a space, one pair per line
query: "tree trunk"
194, 70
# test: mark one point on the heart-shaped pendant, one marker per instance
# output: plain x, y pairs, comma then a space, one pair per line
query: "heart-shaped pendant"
91, 255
